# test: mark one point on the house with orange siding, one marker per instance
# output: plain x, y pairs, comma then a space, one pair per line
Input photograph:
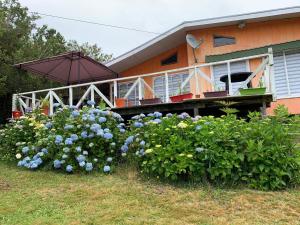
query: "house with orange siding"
251, 59
229, 44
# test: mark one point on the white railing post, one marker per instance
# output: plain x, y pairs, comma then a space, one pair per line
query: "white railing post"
140, 90
229, 78
167, 87
51, 103
70, 96
14, 101
271, 73
115, 92
92, 94
33, 96
197, 80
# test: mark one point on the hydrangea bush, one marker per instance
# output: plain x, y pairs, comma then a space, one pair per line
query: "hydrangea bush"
72, 140
259, 153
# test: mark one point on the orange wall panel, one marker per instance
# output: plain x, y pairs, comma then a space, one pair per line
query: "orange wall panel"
293, 105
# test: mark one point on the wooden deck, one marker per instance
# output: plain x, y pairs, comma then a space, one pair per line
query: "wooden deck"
203, 106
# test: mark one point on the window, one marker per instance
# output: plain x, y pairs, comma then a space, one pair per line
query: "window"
222, 40
175, 82
287, 74
170, 60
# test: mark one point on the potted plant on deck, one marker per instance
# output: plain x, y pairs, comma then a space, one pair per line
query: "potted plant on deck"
45, 106
181, 96
220, 92
17, 113
150, 101
254, 91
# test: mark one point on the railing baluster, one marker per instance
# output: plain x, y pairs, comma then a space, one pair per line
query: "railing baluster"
115, 92
70, 96
229, 78
33, 100
51, 103
92, 94
167, 87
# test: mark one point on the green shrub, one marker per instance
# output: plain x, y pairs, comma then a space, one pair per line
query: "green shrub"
227, 150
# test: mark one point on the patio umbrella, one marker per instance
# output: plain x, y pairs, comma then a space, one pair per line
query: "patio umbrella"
69, 68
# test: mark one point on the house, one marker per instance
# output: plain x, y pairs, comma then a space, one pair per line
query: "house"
229, 53
225, 38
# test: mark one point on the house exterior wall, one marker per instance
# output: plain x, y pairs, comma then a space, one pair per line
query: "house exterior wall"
253, 35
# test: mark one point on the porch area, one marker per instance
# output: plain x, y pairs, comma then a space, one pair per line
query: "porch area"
198, 89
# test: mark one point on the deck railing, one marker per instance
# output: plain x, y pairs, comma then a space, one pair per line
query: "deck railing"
75, 95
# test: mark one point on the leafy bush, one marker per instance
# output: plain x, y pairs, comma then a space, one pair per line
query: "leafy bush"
72, 140
226, 150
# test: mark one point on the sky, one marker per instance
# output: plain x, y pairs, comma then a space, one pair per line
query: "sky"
151, 15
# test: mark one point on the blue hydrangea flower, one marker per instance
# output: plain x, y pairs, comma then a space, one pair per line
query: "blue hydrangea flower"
150, 115
21, 163
169, 115
74, 137
85, 153
109, 159
66, 149
91, 135
69, 168
78, 149
33, 165
122, 130
44, 150
95, 127
102, 120
64, 156
38, 161
108, 136
124, 148
157, 120
75, 113
58, 139
138, 124
26, 159
129, 140
49, 125
91, 102
69, 141
68, 127
84, 134
25, 150
100, 133
91, 118
82, 164
198, 127
80, 158
89, 167
157, 114
106, 130
57, 164
106, 169
142, 143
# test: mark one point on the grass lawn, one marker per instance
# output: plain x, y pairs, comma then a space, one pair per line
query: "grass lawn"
40, 197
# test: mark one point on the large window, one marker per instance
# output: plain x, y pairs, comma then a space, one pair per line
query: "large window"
287, 74
175, 81
222, 40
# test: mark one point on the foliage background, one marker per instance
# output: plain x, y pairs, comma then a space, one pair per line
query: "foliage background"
22, 40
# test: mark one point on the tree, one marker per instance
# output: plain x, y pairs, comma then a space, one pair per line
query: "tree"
93, 51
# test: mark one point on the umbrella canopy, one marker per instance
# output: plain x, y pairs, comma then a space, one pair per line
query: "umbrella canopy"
69, 68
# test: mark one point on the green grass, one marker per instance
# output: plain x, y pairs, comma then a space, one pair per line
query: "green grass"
42, 197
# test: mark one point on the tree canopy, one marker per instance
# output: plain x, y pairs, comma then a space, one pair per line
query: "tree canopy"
22, 40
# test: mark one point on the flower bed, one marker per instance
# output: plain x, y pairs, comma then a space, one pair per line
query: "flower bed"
259, 153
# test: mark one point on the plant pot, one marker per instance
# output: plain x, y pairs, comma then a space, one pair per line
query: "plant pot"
253, 91
120, 102
180, 98
16, 114
45, 110
214, 94
150, 101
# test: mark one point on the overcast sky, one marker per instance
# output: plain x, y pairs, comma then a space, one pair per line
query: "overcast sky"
152, 15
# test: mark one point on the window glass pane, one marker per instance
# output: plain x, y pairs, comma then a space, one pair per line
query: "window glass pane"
221, 40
